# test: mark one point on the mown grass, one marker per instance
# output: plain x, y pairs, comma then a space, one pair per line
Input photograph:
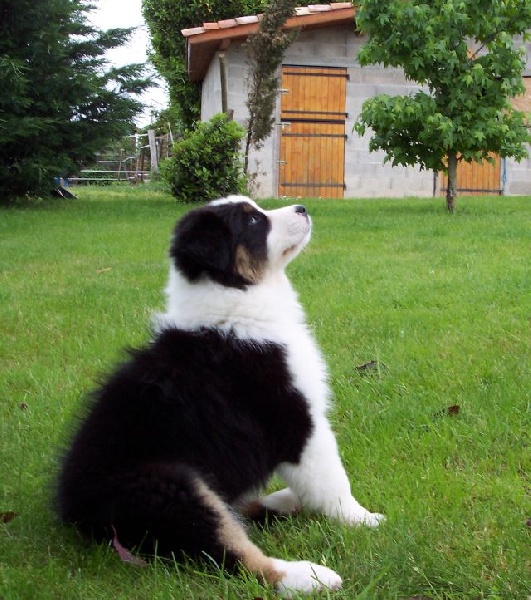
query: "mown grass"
442, 303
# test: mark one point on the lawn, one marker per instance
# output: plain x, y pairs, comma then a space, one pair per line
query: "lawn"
436, 434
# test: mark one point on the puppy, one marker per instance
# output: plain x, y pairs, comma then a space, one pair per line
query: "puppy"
231, 389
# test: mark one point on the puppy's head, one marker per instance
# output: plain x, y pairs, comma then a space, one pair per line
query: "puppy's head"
235, 243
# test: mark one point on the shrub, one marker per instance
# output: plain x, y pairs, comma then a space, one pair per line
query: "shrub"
206, 164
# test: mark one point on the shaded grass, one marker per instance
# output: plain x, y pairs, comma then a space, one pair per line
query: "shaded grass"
443, 303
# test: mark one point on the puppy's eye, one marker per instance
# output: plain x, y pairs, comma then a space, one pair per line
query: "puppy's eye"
253, 220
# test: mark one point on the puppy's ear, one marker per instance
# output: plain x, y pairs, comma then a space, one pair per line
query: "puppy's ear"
202, 244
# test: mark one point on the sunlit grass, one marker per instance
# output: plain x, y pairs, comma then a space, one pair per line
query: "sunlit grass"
441, 303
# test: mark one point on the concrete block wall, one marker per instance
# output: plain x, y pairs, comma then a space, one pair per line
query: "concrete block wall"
211, 91
518, 177
366, 173
519, 174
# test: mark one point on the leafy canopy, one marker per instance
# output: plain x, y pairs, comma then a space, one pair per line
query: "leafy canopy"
59, 105
466, 54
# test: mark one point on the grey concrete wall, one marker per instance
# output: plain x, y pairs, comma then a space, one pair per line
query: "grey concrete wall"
211, 91
519, 174
366, 175
518, 177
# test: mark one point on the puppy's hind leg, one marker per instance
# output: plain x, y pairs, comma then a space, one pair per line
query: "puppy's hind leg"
287, 577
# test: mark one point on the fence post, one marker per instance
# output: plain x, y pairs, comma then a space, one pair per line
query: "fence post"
153, 151
223, 81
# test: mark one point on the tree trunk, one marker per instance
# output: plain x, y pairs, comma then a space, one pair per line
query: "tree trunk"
248, 142
452, 182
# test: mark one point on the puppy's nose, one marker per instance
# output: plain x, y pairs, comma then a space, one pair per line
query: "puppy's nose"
301, 210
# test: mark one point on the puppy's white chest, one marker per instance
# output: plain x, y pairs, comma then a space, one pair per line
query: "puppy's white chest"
308, 369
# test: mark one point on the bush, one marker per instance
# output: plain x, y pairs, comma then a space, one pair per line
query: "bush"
206, 164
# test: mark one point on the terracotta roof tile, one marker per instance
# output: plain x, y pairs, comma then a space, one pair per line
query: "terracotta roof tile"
192, 31
227, 23
247, 20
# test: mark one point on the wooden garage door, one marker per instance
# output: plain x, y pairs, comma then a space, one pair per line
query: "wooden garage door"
477, 179
312, 141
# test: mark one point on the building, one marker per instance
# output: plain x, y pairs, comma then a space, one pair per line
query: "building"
313, 150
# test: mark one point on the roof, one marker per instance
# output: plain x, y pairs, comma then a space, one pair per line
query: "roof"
204, 41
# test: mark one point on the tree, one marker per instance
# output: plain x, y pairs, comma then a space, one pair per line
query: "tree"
265, 51
165, 19
58, 103
465, 53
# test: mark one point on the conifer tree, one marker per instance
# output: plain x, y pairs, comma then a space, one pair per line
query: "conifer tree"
59, 101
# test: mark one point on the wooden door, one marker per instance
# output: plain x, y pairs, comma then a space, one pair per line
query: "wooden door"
523, 102
312, 140
477, 179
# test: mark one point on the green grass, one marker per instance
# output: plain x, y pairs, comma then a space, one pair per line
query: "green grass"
442, 302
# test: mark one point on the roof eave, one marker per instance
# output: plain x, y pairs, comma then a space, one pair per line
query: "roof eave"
203, 43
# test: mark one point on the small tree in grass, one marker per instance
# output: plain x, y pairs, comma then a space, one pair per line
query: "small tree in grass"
466, 54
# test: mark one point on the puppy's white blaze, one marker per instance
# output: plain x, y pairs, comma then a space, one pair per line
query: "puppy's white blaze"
290, 232
267, 311
234, 200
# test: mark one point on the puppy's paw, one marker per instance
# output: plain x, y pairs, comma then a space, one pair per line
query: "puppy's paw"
353, 513
264, 510
284, 502
304, 576
371, 519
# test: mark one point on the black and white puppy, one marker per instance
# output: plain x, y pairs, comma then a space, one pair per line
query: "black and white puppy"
231, 389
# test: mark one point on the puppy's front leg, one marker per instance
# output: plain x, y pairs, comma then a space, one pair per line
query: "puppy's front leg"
320, 482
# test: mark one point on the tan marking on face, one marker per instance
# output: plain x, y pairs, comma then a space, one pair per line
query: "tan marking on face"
234, 538
249, 268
